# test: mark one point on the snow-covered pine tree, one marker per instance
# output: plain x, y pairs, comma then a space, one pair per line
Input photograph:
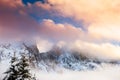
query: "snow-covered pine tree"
24, 71
19, 69
12, 73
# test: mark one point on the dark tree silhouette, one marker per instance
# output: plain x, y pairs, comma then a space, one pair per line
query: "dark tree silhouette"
19, 69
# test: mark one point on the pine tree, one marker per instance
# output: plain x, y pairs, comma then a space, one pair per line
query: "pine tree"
19, 69
24, 69
12, 73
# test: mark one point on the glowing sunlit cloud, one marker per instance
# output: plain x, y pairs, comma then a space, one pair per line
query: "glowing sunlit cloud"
50, 29
101, 15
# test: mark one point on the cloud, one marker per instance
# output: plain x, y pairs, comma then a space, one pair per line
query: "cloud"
44, 45
16, 21
95, 10
101, 17
105, 31
51, 30
102, 51
101, 21
108, 72
13, 20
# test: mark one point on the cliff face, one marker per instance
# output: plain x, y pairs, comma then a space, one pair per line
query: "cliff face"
51, 60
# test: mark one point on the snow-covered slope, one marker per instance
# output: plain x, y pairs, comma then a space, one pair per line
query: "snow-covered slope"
49, 61
59, 64
8, 50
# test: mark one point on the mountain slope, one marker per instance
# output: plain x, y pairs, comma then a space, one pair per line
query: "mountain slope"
51, 60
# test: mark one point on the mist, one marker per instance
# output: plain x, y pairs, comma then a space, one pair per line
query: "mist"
102, 51
106, 72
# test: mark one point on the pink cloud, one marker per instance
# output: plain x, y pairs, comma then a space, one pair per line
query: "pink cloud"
101, 15
59, 31
13, 20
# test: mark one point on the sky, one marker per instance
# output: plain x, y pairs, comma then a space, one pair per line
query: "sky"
91, 25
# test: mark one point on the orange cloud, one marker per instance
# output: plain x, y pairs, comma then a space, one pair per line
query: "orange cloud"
60, 31
89, 10
105, 31
103, 16
104, 51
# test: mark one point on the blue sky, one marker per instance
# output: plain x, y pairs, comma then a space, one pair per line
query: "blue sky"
55, 18
31, 1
